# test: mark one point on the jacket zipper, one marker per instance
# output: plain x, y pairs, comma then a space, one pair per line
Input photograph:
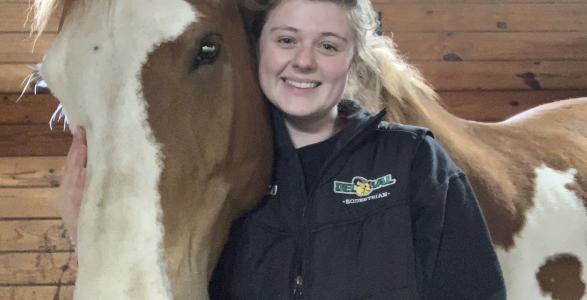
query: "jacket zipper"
298, 291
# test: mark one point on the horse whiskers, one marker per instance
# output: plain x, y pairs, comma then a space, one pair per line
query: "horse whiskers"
26, 83
56, 117
33, 77
36, 79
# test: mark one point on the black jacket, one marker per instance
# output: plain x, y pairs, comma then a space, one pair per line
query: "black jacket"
391, 217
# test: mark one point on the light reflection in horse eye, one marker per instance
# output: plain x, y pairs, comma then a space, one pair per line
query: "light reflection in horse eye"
208, 50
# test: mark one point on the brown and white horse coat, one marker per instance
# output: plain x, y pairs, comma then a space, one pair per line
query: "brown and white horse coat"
529, 173
171, 146
179, 141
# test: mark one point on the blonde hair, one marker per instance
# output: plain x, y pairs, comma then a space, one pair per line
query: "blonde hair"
42, 11
379, 75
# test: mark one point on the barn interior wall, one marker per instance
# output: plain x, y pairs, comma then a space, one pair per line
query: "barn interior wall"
487, 59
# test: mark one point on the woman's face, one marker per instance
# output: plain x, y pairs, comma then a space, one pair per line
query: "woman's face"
306, 49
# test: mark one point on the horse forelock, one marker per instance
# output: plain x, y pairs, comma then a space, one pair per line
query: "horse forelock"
42, 11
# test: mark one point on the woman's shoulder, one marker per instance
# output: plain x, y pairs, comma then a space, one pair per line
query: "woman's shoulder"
426, 152
393, 131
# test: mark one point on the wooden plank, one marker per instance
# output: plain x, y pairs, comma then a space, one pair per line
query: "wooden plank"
495, 106
378, 2
33, 140
30, 171
493, 46
461, 76
419, 17
33, 235
13, 18
28, 203
515, 75
37, 268
18, 47
30, 109
13, 76
421, 45
64, 292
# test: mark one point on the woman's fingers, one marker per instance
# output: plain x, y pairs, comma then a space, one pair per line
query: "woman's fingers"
73, 182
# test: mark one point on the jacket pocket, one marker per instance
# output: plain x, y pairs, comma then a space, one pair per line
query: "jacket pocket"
366, 258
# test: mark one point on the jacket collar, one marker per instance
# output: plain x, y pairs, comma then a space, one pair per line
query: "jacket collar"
358, 121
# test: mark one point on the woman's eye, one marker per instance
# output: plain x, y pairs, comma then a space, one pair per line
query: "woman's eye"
285, 40
329, 47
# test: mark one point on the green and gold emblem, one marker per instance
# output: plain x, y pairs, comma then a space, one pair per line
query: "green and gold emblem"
361, 186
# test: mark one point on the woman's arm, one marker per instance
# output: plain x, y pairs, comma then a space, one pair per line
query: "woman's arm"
72, 183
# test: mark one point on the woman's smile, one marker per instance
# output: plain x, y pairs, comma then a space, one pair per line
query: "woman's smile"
302, 84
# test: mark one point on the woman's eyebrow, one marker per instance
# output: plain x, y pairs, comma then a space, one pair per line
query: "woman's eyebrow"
288, 28
324, 34
335, 35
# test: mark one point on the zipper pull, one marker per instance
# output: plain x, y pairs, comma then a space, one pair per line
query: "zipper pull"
298, 291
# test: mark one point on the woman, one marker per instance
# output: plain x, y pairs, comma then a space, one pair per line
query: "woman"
360, 208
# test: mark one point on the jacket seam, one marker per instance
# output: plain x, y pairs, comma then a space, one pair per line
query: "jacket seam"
362, 218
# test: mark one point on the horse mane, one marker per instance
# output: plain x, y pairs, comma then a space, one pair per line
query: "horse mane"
42, 11
392, 82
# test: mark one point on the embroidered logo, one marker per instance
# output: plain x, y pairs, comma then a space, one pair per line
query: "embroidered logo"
361, 186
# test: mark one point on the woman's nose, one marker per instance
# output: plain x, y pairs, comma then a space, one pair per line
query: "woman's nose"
305, 59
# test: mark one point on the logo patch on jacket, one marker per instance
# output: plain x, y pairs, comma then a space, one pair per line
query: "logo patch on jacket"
363, 187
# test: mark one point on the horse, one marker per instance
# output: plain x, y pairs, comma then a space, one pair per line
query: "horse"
179, 139
529, 173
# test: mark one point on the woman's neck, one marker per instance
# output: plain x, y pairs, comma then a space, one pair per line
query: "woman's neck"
307, 131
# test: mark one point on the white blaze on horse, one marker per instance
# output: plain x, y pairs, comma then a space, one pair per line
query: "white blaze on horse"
178, 137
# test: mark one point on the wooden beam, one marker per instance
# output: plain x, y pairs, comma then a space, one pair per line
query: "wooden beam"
515, 75
24, 203
434, 17
467, 46
377, 2
13, 17
13, 77
18, 47
495, 106
30, 109
416, 15
493, 46
33, 236
63, 292
37, 268
33, 140
30, 171
484, 75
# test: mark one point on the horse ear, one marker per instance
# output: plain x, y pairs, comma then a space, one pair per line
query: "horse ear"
252, 13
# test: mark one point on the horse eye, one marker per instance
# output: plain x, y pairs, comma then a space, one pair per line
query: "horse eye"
208, 51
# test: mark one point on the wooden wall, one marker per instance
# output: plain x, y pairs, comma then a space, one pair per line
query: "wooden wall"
488, 59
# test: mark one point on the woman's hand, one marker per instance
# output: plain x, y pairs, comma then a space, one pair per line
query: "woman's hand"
72, 183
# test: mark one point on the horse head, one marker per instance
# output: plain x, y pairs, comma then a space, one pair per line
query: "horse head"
179, 140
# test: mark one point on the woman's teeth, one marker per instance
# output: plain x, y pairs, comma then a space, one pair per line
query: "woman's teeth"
303, 85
